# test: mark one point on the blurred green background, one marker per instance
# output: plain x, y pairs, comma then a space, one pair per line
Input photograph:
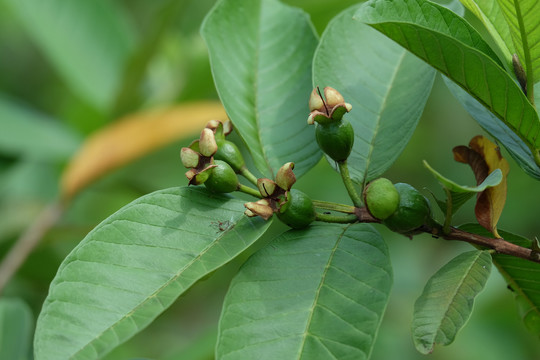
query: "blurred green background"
58, 87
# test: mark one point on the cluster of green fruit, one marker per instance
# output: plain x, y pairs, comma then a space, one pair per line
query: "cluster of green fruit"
216, 163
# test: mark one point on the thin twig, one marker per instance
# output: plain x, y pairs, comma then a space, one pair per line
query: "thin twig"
28, 241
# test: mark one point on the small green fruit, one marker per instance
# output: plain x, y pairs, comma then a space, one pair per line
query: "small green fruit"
298, 211
381, 198
336, 139
413, 210
222, 178
228, 152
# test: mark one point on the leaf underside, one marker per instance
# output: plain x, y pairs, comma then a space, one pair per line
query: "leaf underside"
318, 293
386, 86
261, 52
134, 265
447, 300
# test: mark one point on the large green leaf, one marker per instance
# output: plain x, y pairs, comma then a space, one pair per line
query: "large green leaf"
133, 265
27, 133
522, 276
523, 18
447, 300
318, 293
420, 27
16, 326
490, 13
386, 86
260, 52
87, 41
519, 151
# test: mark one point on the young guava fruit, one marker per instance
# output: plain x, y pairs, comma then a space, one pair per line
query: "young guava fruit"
227, 151
222, 178
381, 198
413, 210
336, 139
298, 211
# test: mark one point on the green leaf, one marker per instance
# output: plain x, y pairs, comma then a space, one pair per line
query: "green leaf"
490, 14
519, 151
260, 53
87, 42
318, 293
447, 300
522, 276
459, 53
524, 22
386, 86
459, 194
136, 263
16, 327
27, 133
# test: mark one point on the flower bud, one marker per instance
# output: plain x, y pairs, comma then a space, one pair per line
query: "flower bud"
315, 101
190, 158
207, 143
266, 187
333, 97
260, 208
285, 177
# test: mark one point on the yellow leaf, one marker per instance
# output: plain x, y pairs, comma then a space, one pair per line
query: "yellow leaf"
132, 137
484, 157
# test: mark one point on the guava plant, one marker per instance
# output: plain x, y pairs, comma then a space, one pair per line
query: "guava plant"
319, 290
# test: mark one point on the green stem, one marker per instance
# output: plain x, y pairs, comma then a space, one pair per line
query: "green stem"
526, 53
448, 217
326, 205
340, 219
248, 175
349, 185
247, 190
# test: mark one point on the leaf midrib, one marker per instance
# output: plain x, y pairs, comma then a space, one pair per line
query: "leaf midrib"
160, 289
318, 292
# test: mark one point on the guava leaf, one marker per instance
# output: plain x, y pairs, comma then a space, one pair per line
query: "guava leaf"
386, 86
447, 300
16, 327
261, 53
490, 14
88, 42
524, 22
318, 293
26, 133
459, 53
459, 194
519, 151
132, 137
522, 276
135, 264
484, 157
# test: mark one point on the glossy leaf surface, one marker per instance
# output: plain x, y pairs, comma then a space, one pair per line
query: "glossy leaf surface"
260, 53
412, 24
386, 86
447, 300
317, 293
133, 265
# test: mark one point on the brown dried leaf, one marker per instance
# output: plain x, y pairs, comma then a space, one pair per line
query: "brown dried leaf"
484, 157
132, 137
